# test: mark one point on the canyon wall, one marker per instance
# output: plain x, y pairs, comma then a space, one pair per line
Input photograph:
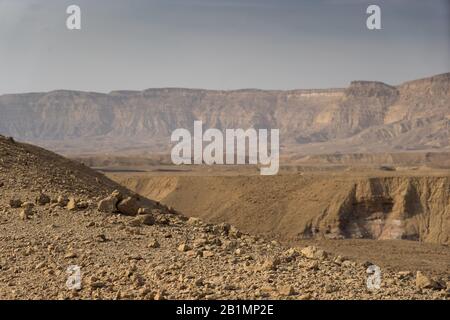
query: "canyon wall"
312, 206
411, 116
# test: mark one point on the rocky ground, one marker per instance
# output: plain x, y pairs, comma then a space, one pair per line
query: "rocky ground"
55, 213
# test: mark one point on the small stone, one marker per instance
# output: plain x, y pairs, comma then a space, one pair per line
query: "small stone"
424, 282
142, 220
153, 244
138, 280
291, 253
330, 288
72, 204
15, 203
117, 194
194, 253
313, 265
194, 221
199, 243
313, 252
27, 211
348, 263
229, 287
82, 205
160, 295
70, 255
183, 247
199, 282
447, 290
101, 238
339, 260
405, 274
286, 290
208, 254
270, 264
230, 245
27, 205
147, 219
97, 284
128, 206
42, 199
62, 201
161, 219
234, 232
24, 214
306, 296
267, 290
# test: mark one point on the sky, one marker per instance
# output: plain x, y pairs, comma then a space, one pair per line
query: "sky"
218, 44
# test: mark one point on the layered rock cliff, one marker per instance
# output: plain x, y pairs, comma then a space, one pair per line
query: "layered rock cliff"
414, 115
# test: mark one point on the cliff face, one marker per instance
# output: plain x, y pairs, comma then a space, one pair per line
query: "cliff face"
415, 115
363, 106
413, 208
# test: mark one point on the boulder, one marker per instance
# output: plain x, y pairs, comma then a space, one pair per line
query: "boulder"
15, 203
312, 252
42, 199
108, 205
425, 282
129, 206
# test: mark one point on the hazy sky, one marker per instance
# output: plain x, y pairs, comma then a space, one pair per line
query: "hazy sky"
218, 44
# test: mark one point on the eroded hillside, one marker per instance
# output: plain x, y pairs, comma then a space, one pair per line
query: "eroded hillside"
297, 206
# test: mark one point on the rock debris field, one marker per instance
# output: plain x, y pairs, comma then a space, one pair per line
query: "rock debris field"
56, 213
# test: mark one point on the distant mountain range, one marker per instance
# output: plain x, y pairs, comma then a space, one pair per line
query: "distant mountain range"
365, 117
